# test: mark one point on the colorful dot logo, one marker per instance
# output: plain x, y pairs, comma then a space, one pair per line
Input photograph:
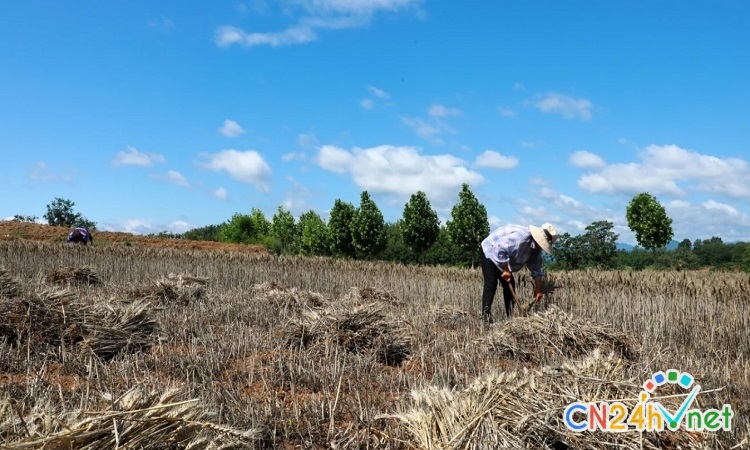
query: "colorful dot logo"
684, 379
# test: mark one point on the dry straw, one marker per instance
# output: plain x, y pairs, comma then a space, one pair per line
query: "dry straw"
173, 288
524, 409
555, 333
74, 275
137, 420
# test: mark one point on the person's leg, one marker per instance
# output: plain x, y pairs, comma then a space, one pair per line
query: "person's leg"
491, 274
508, 295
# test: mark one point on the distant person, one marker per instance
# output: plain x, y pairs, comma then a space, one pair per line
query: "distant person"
507, 250
80, 235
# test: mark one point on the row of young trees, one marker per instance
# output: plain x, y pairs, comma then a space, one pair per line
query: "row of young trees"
362, 233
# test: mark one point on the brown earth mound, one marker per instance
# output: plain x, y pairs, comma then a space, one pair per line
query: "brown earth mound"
10, 230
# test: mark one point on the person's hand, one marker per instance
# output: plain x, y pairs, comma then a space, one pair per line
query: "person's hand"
538, 296
507, 276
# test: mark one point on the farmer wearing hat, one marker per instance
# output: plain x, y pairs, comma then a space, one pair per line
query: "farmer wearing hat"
80, 235
507, 250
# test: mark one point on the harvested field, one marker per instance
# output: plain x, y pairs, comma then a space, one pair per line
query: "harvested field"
203, 349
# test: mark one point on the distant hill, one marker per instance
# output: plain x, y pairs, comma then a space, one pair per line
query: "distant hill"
627, 247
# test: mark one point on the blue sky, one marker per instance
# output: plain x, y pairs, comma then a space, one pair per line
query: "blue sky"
171, 115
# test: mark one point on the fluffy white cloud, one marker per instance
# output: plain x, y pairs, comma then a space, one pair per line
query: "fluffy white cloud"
399, 172
494, 160
220, 193
566, 106
292, 156
367, 103
706, 219
377, 92
426, 130
671, 170
321, 15
172, 176
145, 226
584, 159
231, 129
133, 157
438, 110
42, 172
247, 166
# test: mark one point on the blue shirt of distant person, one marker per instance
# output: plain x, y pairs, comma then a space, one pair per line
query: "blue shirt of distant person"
505, 251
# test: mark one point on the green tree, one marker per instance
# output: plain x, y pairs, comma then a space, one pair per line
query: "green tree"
648, 219
60, 213
600, 244
568, 252
469, 224
314, 234
685, 244
368, 228
396, 249
240, 230
340, 225
19, 218
207, 233
421, 224
261, 225
284, 230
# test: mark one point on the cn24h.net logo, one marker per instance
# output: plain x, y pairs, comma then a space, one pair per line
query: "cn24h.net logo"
647, 414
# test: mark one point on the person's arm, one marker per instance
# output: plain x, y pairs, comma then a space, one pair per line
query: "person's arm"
535, 266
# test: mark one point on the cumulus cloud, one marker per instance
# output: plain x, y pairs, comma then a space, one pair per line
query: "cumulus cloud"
231, 129
377, 92
584, 159
145, 226
42, 172
220, 193
426, 130
246, 166
438, 110
318, 15
566, 106
172, 176
133, 157
494, 160
506, 112
293, 156
703, 220
399, 172
671, 170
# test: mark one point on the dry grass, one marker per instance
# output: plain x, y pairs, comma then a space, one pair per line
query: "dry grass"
67, 275
315, 353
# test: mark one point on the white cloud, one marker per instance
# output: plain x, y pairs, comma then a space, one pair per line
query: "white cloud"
377, 92
42, 172
133, 157
293, 156
321, 15
231, 129
425, 130
307, 140
145, 226
246, 166
438, 110
494, 160
172, 176
367, 103
506, 112
295, 199
707, 219
399, 172
564, 105
671, 170
220, 193
584, 159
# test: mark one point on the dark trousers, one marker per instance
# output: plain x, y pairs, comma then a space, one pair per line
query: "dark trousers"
491, 274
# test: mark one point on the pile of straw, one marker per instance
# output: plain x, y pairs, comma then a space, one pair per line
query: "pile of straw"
368, 294
173, 288
139, 419
56, 317
8, 286
451, 316
362, 328
288, 299
525, 410
552, 333
74, 275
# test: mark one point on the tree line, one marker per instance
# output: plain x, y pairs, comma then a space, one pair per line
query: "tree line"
419, 237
